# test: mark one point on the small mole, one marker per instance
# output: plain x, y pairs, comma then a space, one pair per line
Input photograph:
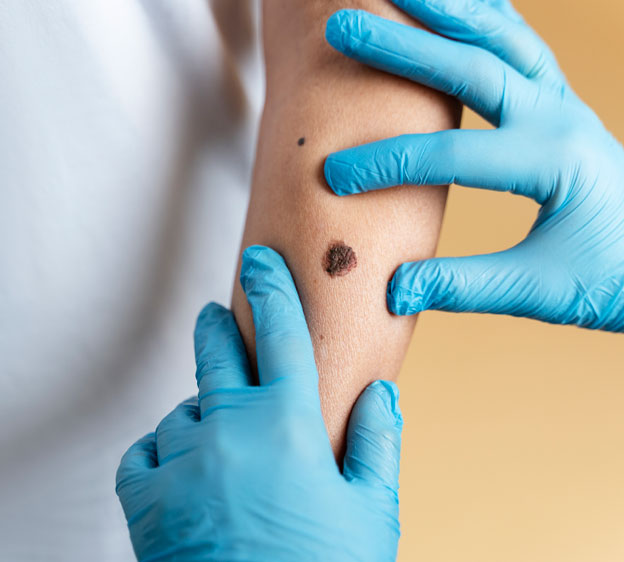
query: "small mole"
322, 336
301, 141
339, 259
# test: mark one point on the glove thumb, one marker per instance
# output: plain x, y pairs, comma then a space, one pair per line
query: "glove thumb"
374, 437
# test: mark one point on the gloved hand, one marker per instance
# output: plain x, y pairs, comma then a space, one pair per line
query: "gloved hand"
548, 145
247, 472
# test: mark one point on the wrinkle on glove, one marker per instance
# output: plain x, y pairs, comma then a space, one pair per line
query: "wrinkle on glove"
246, 472
547, 145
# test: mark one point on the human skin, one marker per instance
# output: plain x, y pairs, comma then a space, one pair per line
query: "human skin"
316, 94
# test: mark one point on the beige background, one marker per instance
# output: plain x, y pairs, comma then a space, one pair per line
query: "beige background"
514, 438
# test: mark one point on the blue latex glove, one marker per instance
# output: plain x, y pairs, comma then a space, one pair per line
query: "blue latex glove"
248, 472
548, 146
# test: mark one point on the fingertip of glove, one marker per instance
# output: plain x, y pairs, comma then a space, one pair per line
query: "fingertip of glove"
256, 258
338, 174
388, 392
211, 313
403, 301
327, 171
340, 27
333, 29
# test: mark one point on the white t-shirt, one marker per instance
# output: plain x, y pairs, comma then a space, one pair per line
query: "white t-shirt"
126, 136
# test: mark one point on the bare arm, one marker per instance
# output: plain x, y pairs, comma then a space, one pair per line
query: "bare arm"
341, 251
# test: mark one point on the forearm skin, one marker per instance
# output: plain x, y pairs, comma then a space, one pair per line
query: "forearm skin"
316, 94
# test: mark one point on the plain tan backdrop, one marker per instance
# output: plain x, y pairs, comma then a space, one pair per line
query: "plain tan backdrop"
513, 445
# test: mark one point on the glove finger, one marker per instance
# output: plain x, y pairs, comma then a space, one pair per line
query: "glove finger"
139, 457
499, 283
374, 437
478, 23
283, 345
219, 354
174, 434
475, 76
472, 158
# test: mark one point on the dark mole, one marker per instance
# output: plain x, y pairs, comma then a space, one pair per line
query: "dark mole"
301, 141
339, 259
